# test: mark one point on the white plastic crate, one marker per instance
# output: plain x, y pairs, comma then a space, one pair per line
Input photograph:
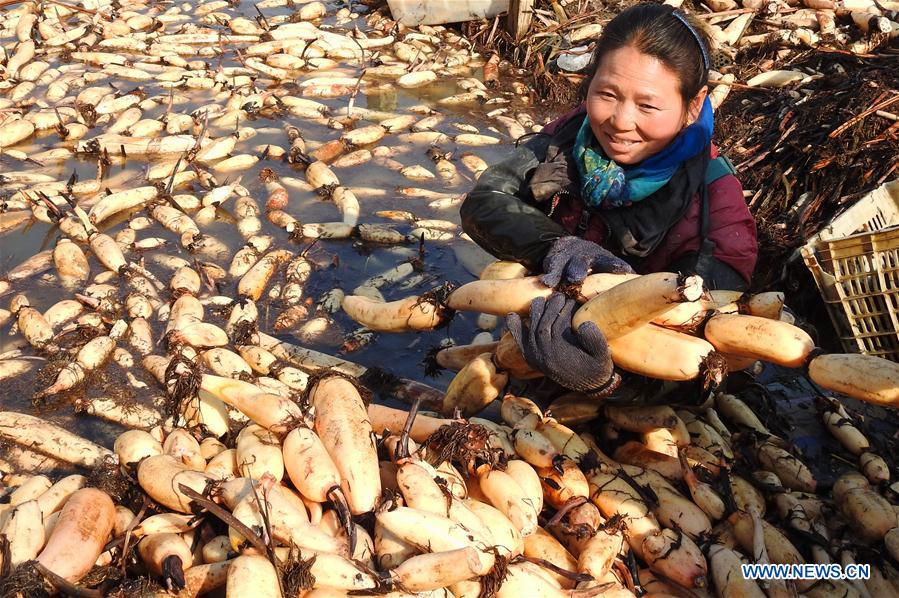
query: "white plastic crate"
855, 262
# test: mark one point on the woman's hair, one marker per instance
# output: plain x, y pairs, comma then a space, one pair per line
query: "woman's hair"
653, 29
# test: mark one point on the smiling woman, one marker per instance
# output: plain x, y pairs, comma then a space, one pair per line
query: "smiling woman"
628, 181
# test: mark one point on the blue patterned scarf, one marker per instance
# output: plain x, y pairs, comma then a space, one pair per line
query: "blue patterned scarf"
606, 185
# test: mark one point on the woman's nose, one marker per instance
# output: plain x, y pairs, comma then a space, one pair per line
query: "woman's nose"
623, 116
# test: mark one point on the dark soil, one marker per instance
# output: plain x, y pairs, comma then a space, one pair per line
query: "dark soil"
800, 169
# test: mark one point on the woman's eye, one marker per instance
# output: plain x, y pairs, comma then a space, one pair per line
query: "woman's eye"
648, 107
607, 95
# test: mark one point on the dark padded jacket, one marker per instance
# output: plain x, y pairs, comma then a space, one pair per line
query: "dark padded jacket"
504, 216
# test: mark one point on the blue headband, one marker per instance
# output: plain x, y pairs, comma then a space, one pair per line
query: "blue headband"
705, 53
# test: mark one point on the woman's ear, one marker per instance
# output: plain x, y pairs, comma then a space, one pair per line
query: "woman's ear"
695, 106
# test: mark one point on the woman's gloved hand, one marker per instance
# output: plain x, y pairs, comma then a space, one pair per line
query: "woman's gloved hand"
577, 360
572, 258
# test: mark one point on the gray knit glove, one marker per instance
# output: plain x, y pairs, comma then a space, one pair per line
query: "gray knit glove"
572, 258
579, 360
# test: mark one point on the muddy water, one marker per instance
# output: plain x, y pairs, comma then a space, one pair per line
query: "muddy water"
343, 264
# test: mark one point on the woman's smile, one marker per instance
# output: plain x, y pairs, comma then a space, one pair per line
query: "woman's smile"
617, 143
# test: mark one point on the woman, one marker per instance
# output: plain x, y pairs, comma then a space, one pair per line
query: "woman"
628, 182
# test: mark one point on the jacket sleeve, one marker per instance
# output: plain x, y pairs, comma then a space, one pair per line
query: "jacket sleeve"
499, 216
733, 226
715, 273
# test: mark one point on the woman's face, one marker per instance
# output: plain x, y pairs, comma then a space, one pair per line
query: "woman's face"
635, 106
